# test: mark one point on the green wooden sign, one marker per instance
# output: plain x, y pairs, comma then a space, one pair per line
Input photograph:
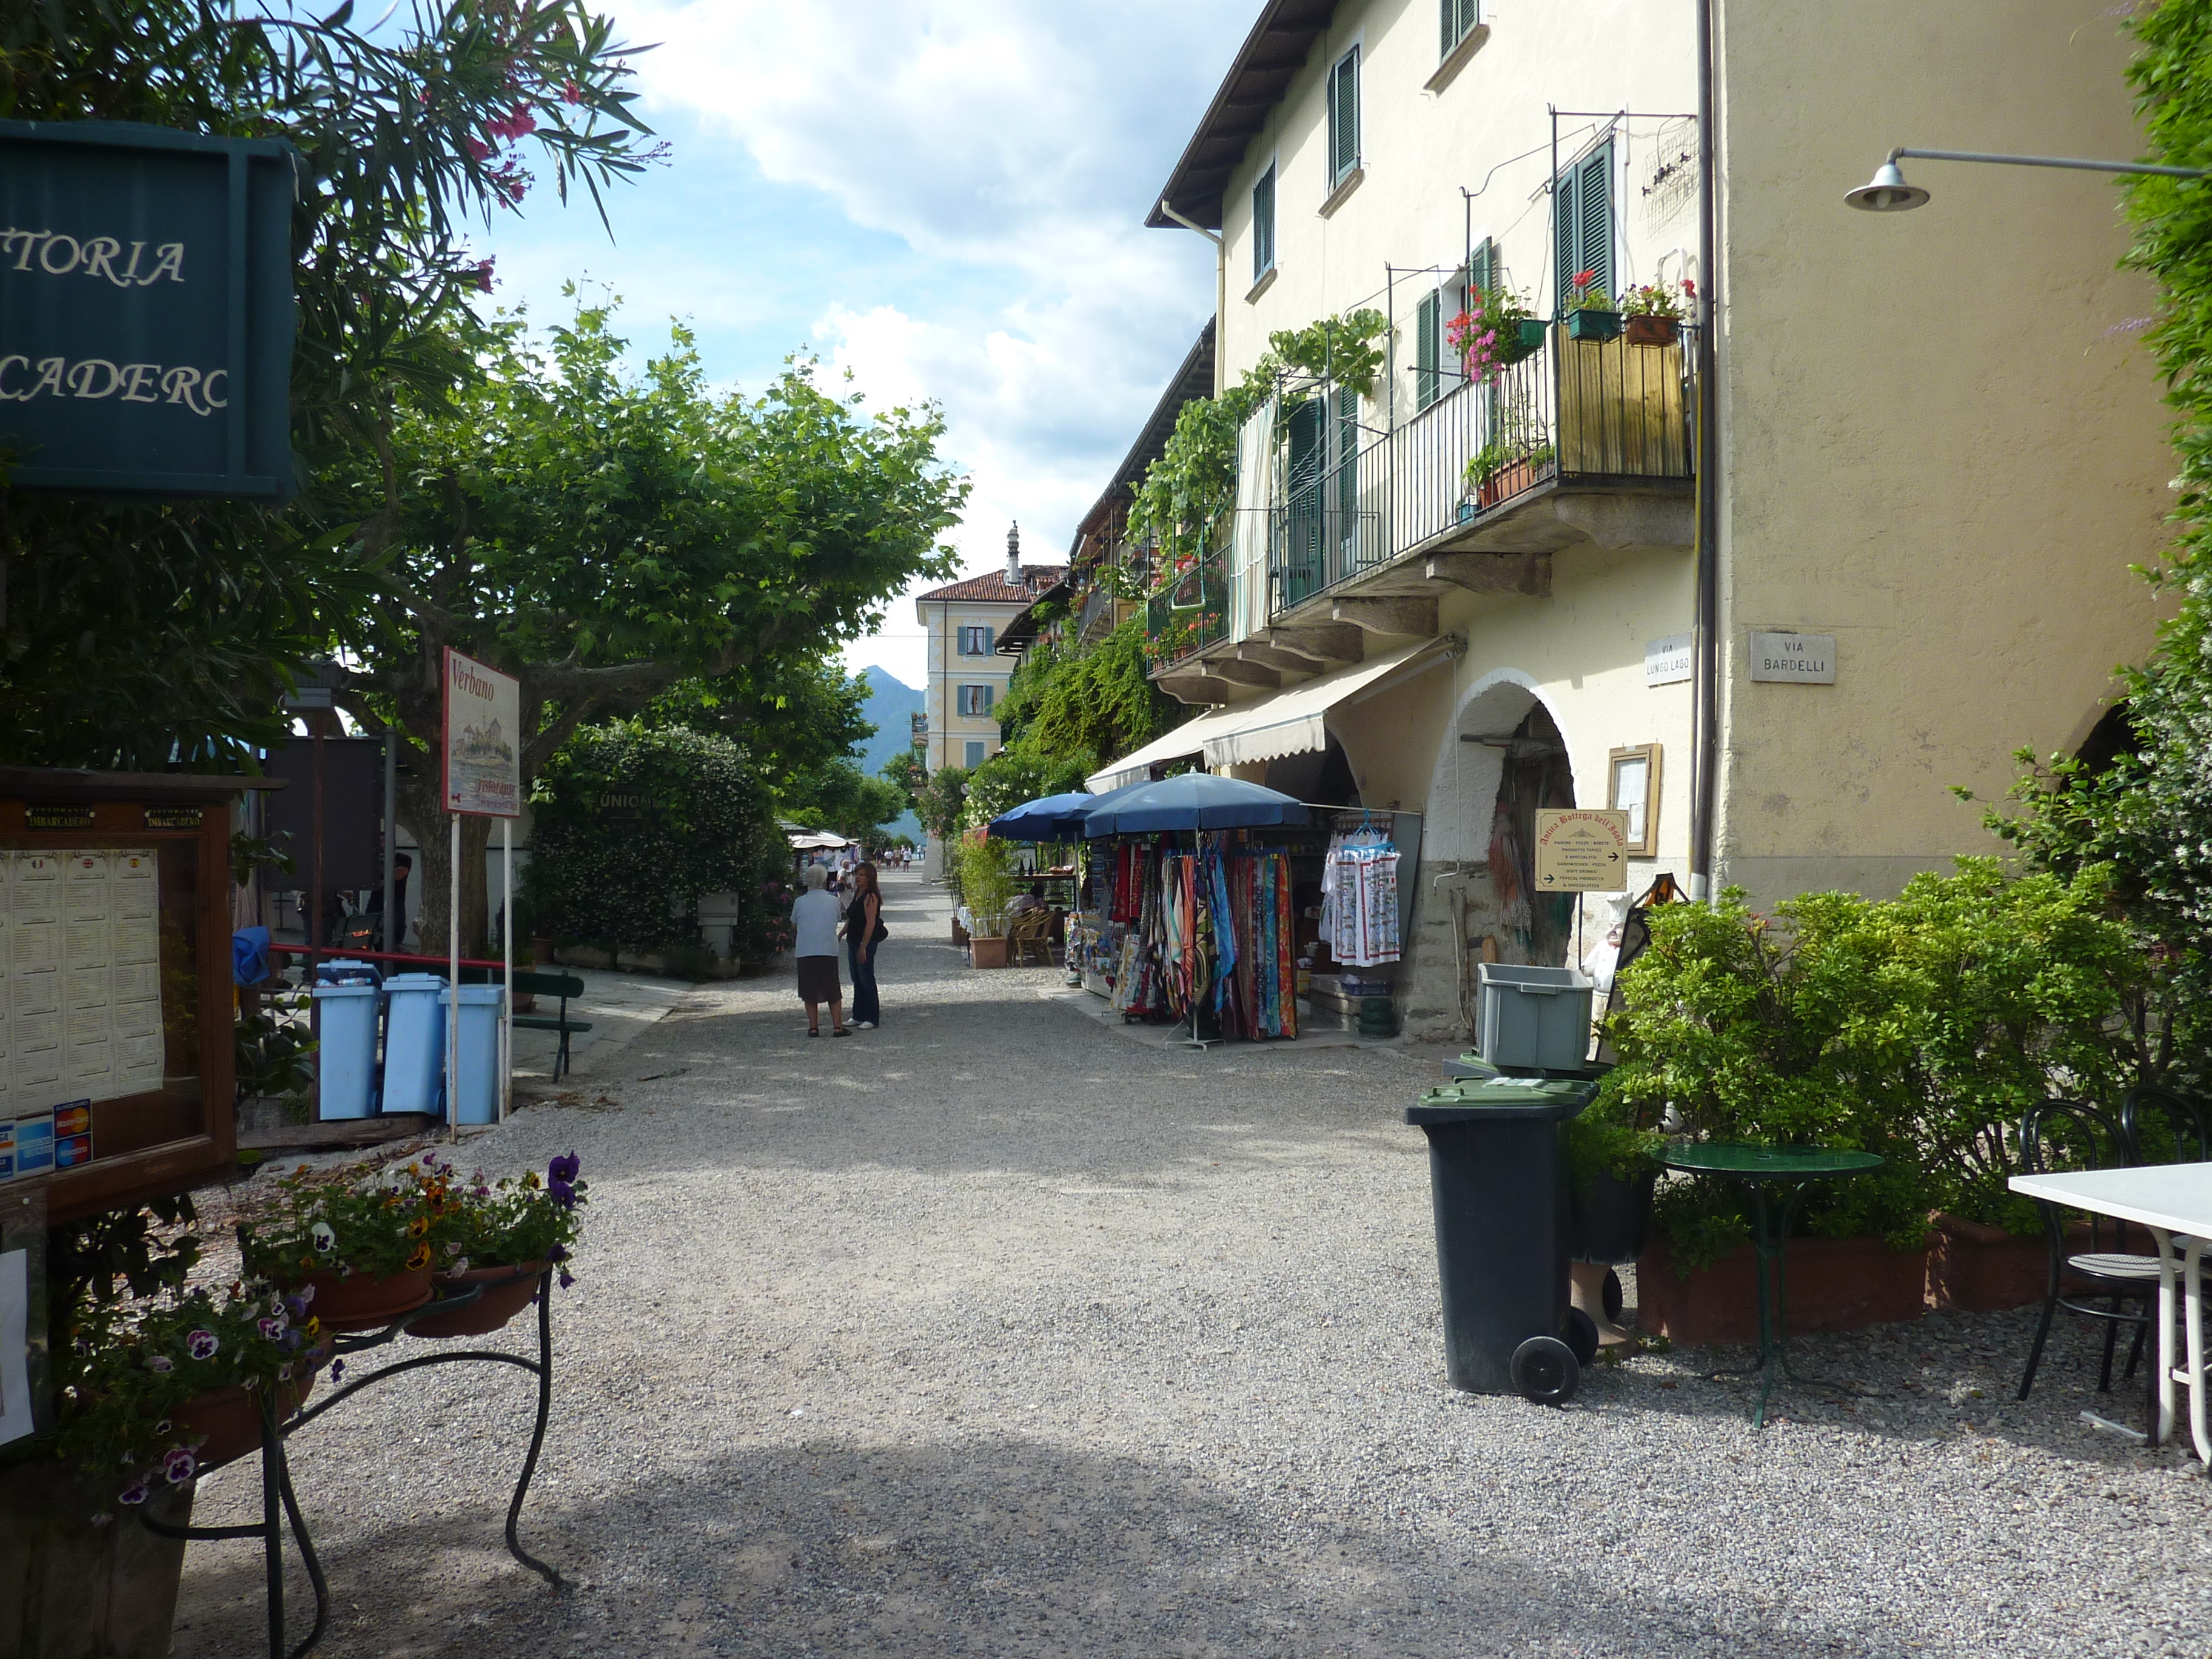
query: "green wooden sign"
146, 316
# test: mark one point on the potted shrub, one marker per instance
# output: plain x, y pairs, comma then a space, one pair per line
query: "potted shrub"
1780, 1030
1590, 312
504, 1236
1495, 331
1652, 314
366, 1249
986, 888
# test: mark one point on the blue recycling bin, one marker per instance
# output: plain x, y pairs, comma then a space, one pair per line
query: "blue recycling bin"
345, 1052
414, 1044
477, 1084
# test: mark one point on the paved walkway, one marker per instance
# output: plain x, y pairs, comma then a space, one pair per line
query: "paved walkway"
994, 1333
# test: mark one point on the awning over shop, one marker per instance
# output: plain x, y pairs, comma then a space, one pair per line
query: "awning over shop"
1291, 722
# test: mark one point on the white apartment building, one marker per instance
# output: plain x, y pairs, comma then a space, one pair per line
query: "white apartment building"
967, 678
1915, 452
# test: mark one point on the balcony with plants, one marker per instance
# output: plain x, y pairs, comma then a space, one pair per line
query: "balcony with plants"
1187, 609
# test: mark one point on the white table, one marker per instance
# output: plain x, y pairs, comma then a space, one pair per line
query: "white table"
2174, 1201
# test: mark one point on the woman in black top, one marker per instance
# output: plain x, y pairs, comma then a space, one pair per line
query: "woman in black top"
863, 915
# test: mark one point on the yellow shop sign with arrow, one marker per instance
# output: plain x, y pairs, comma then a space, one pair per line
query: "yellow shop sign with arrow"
1582, 850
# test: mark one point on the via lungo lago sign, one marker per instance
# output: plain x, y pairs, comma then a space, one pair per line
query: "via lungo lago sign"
146, 317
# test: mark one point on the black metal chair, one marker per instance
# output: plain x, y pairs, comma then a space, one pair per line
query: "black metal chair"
2163, 1126
2066, 1134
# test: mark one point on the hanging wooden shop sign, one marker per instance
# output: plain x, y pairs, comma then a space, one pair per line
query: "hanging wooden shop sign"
1582, 850
146, 317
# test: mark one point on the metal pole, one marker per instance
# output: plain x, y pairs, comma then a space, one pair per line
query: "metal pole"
2074, 162
507, 976
315, 864
1705, 632
453, 989
394, 927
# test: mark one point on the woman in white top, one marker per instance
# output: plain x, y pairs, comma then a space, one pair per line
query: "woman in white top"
815, 914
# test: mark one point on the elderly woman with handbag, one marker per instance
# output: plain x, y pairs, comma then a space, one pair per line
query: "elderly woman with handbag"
863, 932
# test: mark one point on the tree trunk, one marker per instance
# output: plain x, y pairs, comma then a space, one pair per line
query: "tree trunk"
421, 806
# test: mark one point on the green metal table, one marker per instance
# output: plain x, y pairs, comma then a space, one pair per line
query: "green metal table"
1758, 1167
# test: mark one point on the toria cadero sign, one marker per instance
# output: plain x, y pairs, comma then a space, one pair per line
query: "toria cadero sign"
145, 310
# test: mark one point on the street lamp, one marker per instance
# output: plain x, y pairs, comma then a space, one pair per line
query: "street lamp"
1888, 193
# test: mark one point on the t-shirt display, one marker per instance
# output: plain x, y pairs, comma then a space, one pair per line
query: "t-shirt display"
80, 976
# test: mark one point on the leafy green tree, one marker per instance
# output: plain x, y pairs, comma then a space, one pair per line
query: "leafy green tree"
1081, 709
1014, 776
942, 801
837, 795
632, 824
789, 717
130, 634
605, 537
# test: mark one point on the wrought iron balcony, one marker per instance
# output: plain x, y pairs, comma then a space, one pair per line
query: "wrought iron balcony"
1190, 615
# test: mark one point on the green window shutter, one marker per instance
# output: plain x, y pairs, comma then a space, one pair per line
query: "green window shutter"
1566, 225
1344, 117
990, 640
1428, 347
1594, 207
1263, 224
1482, 267
1459, 18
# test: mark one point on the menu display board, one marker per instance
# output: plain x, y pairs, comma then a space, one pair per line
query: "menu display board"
81, 1016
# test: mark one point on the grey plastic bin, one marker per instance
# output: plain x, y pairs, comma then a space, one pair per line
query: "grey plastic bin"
1534, 1017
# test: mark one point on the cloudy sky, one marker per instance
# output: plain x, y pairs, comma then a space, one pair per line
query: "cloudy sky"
944, 196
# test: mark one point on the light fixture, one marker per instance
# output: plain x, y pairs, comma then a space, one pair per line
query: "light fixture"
1885, 192
1888, 192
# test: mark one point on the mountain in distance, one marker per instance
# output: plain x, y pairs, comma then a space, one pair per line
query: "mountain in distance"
891, 705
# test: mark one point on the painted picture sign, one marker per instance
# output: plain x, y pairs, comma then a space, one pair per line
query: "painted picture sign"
146, 316
484, 740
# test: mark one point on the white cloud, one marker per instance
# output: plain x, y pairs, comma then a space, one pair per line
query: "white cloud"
1015, 148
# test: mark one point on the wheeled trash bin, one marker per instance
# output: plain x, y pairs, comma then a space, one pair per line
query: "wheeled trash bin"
1498, 1180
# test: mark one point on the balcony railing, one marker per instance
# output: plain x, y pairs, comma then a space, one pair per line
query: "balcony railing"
1190, 615
1587, 411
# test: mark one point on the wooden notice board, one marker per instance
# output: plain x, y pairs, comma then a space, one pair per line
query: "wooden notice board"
116, 1007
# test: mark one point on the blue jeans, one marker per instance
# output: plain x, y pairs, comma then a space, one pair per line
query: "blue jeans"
865, 1006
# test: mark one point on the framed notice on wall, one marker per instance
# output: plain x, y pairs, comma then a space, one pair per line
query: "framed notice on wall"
484, 740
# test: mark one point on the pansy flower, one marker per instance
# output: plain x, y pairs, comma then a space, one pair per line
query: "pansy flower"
323, 1237
176, 1467
134, 1493
420, 1259
159, 1362
201, 1344
564, 1168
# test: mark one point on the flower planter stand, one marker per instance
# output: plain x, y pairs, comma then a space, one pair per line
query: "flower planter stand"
280, 1504
1651, 330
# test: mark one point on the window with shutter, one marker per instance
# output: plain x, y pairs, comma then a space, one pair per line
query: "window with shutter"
1428, 347
1459, 17
1263, 224
1343, 117
1581, 223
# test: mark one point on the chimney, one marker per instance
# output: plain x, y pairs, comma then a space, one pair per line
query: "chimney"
1014, 555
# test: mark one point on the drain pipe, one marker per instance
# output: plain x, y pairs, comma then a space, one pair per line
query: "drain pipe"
1704, 696
1220, 291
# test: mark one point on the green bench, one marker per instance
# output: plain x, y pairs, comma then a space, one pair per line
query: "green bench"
562, 986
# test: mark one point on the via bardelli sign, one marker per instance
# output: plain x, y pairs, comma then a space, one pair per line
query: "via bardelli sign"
1805, 659
1582, 850
146, 315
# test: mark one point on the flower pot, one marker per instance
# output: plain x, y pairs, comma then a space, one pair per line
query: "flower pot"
1608, 1217
70, 1588
1835, 1285
507, 1292
987, 952
1594, 325
1651, 330
1530, 335
541, 953
1505, 483
1466, 511
361, 1301
227, 1421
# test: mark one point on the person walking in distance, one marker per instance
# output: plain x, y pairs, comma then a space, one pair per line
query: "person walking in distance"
814, 920
863, 927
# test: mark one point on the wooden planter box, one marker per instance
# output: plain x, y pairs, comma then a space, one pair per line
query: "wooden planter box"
1594, 325
1973, 1267
987, 952
1835, 1285
1507, 481
1650, 330
69, 1589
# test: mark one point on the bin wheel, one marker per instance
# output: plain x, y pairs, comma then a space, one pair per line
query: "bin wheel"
1582, 1335
1613, 1300
1545, 1369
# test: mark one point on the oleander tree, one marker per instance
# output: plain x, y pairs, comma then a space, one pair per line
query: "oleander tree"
607, 536
137, 634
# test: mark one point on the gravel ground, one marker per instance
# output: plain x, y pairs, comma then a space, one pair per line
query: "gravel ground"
996, 1332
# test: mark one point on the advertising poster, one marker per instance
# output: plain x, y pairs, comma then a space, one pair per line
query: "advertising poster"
484, 740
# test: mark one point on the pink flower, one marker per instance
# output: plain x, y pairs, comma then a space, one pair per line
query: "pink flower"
571, 93
477, 149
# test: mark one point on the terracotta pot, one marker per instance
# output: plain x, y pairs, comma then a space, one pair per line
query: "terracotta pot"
361, 1301
1650, 330
1505, 482
1834, 1284
1973, 1267
230, 1418
507, 1292
987, 952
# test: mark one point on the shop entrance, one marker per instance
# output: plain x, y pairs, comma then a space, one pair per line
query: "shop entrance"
1507, 760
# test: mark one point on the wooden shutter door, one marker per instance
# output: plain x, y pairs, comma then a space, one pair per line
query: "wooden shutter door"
1594, 213
1428, 347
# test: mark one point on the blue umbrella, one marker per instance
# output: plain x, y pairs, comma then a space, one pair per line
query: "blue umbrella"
1050, 818
1195, 801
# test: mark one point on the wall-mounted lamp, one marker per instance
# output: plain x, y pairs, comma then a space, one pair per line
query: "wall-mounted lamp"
1888, 193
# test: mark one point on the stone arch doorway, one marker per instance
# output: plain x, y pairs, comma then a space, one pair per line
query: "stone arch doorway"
1504, 757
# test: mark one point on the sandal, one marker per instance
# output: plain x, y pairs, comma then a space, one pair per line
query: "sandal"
841, 1030
811, 1032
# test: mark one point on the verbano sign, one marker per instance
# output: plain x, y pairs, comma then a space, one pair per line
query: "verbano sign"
146, 317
